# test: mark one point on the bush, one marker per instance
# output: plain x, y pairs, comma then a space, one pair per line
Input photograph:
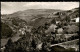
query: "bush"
71, 29
53, 21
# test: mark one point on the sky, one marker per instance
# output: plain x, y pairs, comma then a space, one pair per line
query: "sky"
11, 7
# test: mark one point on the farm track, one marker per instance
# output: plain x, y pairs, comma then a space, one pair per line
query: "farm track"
65, 42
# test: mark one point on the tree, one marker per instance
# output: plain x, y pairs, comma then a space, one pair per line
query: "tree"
53, 21
6, 31
46, 25
67, 18
33, 44
9, 46
10, 42
15, 22
59, 25
44, 47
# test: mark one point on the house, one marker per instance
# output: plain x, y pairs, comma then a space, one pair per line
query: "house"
22, 31
60, 30
75, 20
57, 22
25, 29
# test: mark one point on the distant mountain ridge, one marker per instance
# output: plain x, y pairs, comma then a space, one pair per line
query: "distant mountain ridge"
32, 16
27, 15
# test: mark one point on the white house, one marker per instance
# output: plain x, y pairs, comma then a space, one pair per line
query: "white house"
22, 31
77, 19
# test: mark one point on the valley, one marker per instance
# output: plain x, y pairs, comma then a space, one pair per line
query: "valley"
40, 30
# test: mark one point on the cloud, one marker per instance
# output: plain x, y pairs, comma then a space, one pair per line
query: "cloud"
10, 7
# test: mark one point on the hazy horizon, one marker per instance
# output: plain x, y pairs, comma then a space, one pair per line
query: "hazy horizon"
11, 7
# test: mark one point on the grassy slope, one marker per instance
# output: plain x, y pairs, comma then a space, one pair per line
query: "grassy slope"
71, 44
